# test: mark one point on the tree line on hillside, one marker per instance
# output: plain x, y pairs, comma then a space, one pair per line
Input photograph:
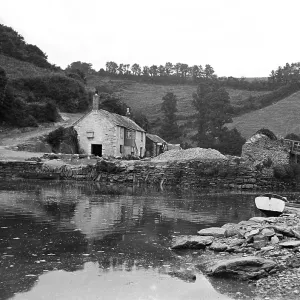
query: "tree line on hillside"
13, 44
213, 110
181, 73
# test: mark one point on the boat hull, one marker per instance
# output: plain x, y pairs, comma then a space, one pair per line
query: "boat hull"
270, 205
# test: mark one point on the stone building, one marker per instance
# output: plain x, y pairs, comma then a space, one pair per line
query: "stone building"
263, 148
108, 134
155, 145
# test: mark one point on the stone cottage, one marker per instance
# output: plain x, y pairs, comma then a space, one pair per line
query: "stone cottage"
155, 145
262, 147
108, 134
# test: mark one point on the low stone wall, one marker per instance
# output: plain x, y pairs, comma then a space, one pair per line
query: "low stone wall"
229, 174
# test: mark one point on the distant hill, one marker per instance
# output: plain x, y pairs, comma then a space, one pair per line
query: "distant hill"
147, 97
282, 118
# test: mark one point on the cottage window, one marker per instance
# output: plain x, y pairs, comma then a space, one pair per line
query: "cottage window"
130, 135
121, 148
90, 134
142, 137
121, 132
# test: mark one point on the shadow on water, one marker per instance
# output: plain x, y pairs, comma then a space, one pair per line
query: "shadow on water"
67, 239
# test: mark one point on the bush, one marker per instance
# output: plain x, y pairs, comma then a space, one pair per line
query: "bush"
267, 133
55, 137
67, 93
44, 112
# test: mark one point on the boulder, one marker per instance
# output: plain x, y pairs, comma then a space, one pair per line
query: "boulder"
274, 239
191, 242
183, 275
231, 229
251, 234
290, 244
293, 262
285, 230
267, 232
212, 231
244, 268
219, 247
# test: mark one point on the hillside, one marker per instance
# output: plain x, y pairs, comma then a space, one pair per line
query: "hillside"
16, 68
282, 118
147, 98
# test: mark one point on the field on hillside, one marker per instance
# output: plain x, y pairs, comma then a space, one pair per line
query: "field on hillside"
147, 98
15, 68
282, 118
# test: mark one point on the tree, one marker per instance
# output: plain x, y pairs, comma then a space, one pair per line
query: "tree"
161, 70
136, 69
153, 70
84, 67
184, 68
3, 82
213, 112
146, 71
168, 68
169, 129
177, 68
209, 71
111, 67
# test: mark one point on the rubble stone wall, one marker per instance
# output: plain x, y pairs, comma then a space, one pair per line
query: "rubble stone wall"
228, 174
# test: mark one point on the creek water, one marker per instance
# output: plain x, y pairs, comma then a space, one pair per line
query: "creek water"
68, 240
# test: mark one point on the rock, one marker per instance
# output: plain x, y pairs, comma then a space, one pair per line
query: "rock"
296, 233
252, 233
191, 242
258, 219
266, 249
293, 262
231, 229
248, 223
287, 231
243, 267
236, 242
216, 246
212, 231
290, 244
184, 275
274, 240
268, 232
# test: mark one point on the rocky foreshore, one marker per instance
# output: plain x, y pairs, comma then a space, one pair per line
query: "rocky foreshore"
263, 251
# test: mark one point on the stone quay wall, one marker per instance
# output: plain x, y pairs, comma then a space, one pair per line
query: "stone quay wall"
233, 173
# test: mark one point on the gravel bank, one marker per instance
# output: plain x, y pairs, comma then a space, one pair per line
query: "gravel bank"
192, 153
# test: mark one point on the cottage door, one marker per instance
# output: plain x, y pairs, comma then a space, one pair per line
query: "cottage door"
96, 149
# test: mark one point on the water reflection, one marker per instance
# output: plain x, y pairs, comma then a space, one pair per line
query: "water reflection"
86, 241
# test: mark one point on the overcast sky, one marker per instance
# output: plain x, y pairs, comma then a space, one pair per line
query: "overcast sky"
237, 38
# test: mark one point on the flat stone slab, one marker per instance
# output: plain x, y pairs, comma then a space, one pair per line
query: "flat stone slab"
258, 219
290, 244
191, 242
219, 247
243, 267
212, 231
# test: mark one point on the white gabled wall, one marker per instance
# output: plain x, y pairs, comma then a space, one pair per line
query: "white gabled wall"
140, 141
105, 133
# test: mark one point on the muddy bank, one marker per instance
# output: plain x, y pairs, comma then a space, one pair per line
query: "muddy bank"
265, 252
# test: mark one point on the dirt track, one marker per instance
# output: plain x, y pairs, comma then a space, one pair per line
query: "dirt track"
12, 137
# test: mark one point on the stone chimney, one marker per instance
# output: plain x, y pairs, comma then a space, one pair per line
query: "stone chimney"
128, 114
96, 101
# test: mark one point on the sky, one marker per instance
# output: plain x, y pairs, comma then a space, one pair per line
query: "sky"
236, 37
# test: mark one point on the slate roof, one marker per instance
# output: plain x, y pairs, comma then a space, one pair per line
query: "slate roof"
155, 138
118, 120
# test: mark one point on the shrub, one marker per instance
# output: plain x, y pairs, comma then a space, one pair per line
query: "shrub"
55, 137
267, 133
67, 93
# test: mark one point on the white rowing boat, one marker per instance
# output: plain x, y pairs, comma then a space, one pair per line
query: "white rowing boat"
271, 204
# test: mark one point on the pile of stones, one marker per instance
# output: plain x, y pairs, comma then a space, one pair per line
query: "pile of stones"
263, 251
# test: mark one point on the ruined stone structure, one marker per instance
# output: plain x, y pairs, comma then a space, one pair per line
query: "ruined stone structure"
262, 149
155, 145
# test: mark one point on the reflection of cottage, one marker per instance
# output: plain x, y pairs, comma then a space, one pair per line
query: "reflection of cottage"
264, 146
155, 145
107, 134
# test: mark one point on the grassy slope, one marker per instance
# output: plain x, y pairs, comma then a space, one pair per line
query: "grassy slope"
15, 68
147, 98
282, 118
